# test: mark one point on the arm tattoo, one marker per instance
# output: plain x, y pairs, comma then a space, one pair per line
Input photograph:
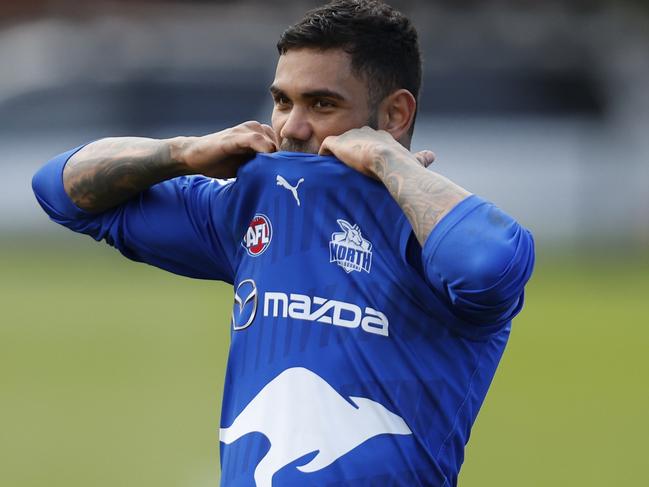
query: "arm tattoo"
108, 172
424, 196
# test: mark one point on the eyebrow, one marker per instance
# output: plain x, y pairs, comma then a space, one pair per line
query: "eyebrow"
317, 93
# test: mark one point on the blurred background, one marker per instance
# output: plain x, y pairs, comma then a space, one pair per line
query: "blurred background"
111, 372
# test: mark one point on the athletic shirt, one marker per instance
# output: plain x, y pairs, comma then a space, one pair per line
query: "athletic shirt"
357, 357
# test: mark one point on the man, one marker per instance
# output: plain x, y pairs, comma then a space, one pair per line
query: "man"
370, 312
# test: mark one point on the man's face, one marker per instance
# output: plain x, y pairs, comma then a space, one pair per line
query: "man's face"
316, 95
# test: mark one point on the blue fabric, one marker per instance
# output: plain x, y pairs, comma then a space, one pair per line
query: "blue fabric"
168, 226
357, 357
480, 276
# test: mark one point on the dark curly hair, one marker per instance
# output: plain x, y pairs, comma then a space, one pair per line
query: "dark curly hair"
382, 42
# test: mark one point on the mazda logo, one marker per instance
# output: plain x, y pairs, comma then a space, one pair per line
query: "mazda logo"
245, 304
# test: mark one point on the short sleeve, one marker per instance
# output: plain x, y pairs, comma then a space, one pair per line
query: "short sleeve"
479, 259
180, 225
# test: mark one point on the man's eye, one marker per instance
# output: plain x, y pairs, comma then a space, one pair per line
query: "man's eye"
281, 101
323, 104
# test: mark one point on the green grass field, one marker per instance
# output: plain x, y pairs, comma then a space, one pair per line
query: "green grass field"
111, 375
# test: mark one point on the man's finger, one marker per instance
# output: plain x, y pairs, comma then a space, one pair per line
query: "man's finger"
261, 143
268, 130
425, 157
325, 147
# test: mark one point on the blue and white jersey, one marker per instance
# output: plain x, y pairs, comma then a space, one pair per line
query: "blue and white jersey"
358, 357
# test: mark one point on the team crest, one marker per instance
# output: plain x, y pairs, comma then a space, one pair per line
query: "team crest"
349, 249
258, 235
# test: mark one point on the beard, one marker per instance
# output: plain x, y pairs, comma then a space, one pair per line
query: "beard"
312, 147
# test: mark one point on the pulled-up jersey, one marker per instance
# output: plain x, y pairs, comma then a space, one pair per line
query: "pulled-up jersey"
358, 357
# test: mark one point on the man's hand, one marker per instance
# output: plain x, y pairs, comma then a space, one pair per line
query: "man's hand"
220, 155
423, 195
361, 148
108, 172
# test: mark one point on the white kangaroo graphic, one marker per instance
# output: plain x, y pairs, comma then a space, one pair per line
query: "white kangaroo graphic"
300, 413
293, 189
352, 233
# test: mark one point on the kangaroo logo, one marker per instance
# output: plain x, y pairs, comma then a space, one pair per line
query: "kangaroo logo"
293, 189
300, 413
349, 249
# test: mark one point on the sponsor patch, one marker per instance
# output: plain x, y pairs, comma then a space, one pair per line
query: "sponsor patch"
245, 304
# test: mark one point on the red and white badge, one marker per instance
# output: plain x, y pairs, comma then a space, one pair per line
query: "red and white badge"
258, 235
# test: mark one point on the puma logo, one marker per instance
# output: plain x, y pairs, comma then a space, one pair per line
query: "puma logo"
300, 413
293, 189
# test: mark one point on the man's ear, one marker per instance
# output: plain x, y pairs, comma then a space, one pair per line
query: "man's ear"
397, 114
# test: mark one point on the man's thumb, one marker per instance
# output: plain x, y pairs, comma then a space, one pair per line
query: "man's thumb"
425, 157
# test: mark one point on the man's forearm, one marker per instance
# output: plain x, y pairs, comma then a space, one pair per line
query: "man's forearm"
108, 172
423, 195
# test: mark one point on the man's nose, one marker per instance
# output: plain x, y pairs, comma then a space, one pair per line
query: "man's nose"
297, 126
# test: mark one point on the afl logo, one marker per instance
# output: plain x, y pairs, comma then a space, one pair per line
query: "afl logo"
258, 235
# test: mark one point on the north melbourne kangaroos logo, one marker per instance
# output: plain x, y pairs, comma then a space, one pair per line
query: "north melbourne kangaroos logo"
349, 249
258, 235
